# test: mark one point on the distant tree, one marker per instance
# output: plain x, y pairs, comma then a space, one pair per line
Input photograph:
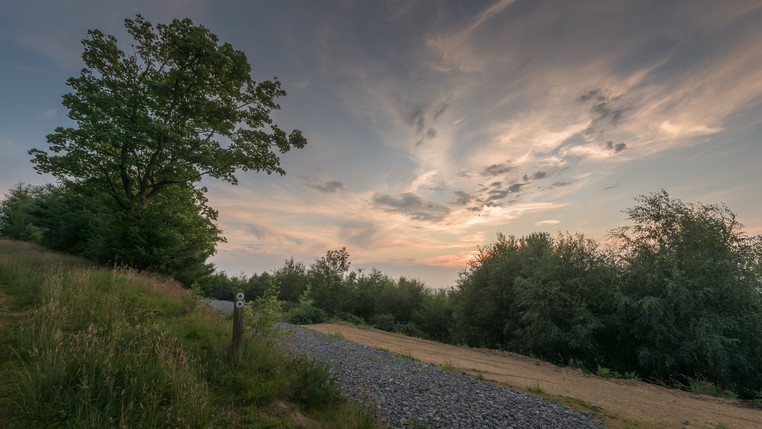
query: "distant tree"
402, 299
535, 295
367, 289
327, 274
53, 216
293, 280
17, 214
435, 316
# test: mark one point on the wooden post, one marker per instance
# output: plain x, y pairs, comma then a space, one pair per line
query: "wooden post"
237, 320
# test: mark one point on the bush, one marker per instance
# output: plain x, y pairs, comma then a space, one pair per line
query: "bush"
351, 318
383, 321
306, 315
410, 329
316, 386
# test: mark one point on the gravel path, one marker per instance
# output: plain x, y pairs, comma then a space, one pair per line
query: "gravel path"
412, 394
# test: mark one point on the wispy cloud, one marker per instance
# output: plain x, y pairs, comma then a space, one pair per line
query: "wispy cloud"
434, 125
411, 205
330, 187
50, 113
548, 222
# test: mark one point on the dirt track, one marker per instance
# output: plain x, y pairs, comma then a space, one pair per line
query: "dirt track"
649, 405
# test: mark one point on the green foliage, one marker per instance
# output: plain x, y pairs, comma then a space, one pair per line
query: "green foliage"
403, 299
693, 304
106, 348
536, 389
174, 235
678, 298
307, 315
367, 289
535, 295
317, 386
53, 216
609, 373
451, 369
349, 317
435, 316
383, 321
153, 118
329, 290
293, 280
410, 329
263, 314
151, 122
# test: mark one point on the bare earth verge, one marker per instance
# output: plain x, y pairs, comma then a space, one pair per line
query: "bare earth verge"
649, 405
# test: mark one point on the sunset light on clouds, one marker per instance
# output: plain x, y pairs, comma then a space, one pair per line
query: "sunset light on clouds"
434, 125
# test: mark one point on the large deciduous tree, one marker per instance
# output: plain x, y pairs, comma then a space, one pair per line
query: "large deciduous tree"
151, 122
177, 106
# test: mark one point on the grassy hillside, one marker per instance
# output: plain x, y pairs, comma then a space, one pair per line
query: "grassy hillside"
90, 347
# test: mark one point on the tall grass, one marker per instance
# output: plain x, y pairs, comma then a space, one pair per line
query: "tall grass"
88, 347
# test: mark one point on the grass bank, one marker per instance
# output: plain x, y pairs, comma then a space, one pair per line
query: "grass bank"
90, 347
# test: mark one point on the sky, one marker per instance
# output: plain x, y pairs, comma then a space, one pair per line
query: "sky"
434, 125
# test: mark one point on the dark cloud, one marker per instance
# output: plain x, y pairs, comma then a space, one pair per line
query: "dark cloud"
593, 94
330, 187
559, 184
498, 195
605, 110
411, 205
462, 198
615, 147
536, 176
417, 116
359, 234
497, 169
608, 188
434, 184
263, 233
442, 108
516, 187
260, 232
496, 185
414, 115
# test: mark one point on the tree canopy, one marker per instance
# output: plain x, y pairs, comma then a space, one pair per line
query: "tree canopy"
151, 122
177, 106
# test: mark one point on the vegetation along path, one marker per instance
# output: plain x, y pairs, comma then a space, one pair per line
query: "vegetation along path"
649, 405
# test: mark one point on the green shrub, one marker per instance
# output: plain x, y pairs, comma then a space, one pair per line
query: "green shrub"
410, 329
315, 386
383, 321
349, 317
306, 315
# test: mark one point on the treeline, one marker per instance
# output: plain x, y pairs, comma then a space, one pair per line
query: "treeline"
174, 235
327, 290
675, 297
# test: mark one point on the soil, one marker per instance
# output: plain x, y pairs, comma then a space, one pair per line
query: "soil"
631, 403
